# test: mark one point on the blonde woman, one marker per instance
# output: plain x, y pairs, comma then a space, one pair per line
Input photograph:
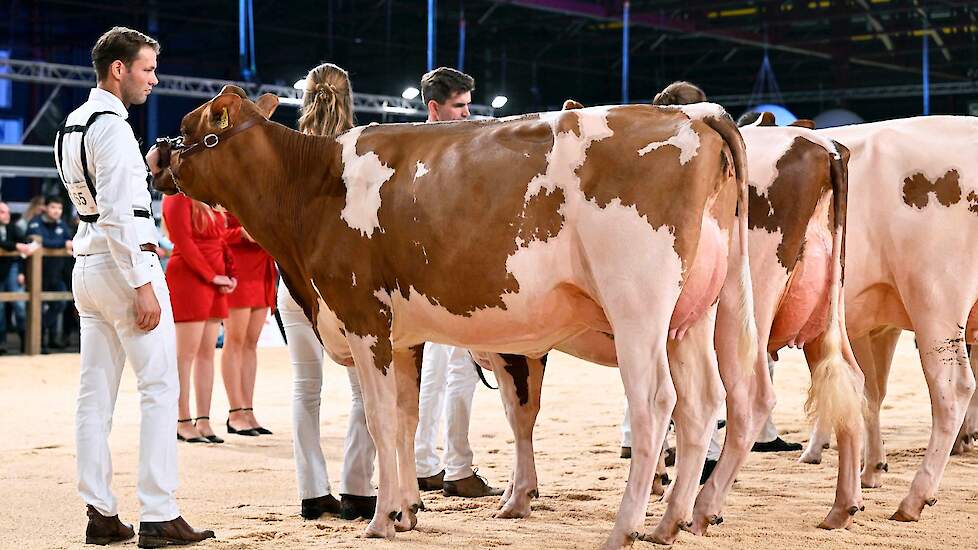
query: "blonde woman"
327, 110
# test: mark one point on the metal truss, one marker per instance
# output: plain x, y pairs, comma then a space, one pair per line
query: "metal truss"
874, 92
186, 86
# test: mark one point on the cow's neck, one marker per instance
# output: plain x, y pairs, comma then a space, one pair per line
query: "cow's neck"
296, 184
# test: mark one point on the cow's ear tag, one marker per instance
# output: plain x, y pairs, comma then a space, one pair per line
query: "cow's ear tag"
224, 123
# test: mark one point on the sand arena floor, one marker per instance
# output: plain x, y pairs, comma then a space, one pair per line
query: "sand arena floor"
245, 489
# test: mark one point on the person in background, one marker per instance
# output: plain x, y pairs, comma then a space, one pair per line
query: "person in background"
54, 233
11, 240
248, 309
33, 209
200, 276
327, 110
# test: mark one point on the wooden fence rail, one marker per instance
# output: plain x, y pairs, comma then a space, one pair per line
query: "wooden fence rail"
34, 296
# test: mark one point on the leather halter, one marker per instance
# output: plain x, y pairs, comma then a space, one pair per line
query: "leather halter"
168, 145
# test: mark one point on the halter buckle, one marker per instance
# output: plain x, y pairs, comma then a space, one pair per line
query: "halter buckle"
210, 140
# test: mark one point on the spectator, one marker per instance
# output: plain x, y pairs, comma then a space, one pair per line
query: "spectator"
248, 309
199, 276
33, 209
11, 239
55, 234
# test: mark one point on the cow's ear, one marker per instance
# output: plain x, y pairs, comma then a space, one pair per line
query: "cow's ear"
570, 104
804, 123
224, 110
267, 104
767, 119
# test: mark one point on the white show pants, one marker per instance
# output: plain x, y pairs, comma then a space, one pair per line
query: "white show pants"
448, 383
307, 388
109, 336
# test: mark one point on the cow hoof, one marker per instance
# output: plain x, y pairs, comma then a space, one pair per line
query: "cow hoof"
514, 511
375, 531
664, 535
620, 541
871, 480
701, 524
882, 467
838, 518
407, 522
903, 516
811, 456
931, 501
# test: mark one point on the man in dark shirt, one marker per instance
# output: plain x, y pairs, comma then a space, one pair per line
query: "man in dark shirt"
54, 233
11, 240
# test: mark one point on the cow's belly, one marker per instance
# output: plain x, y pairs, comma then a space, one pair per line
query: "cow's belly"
702, 287
803, 312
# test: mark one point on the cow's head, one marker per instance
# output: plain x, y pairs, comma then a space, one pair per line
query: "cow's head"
199, 161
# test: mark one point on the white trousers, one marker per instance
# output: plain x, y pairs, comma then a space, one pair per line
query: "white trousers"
109, 336
307, 388
448, 382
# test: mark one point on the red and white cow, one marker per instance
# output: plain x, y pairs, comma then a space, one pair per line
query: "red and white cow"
510, 235
913, 209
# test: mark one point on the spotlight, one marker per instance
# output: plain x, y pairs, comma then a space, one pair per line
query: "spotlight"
499, 101
410, 93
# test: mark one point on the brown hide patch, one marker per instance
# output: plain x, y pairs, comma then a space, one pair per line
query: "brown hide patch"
917, 189
418, 353
973, 202
542, 206
461, 220
656, 184
568, 123
803, 176
519, 370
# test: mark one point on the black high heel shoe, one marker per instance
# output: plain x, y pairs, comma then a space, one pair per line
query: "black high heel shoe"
213, 437
248, 432
196, 439
259, 429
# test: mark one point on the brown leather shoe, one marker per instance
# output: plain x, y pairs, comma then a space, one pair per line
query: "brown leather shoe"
176, 532
103, 530
432, 483
472, 487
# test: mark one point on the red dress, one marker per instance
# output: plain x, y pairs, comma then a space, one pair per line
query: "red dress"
255, 270
198, 256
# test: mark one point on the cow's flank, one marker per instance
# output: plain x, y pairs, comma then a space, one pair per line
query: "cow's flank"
917, 189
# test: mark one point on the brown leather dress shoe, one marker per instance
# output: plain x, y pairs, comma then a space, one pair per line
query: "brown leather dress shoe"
103, 530
432, 483
176, 532
473, 486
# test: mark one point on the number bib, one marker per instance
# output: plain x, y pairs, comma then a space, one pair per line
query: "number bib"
82, 198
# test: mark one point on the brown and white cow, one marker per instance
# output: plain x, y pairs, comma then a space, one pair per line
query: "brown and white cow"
511, 235
797, 188
913, 208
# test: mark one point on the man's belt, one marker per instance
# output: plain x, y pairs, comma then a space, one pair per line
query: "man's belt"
138, 212
145, 247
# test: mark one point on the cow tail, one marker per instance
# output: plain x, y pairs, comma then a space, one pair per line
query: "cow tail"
747, 341
835, 398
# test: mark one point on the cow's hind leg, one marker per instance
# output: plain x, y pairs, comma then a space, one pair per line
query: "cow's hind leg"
874, 353
968, 435
699, 390
520, 380
407, 367
950, 383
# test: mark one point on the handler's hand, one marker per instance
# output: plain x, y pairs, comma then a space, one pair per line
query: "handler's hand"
147, 308
153, 161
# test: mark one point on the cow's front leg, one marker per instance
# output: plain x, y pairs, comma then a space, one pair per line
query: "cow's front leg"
407, 374
699, 390
373, 356
520, 380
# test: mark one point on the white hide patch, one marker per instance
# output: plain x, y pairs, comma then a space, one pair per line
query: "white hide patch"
363, 176
569, 151
422, 170
699, 111
361, 346
686, 140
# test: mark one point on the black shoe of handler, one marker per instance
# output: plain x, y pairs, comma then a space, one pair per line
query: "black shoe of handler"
314, 508
708, 467
777, 446
355, 506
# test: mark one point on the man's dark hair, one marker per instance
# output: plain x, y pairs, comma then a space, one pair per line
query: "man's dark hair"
122, 44
53, 199
442, 83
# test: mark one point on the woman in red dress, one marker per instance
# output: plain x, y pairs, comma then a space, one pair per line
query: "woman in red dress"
199, 276
248, 309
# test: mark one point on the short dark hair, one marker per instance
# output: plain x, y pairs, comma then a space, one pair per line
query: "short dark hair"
679, 93
122, 44
442, 83
53, 199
